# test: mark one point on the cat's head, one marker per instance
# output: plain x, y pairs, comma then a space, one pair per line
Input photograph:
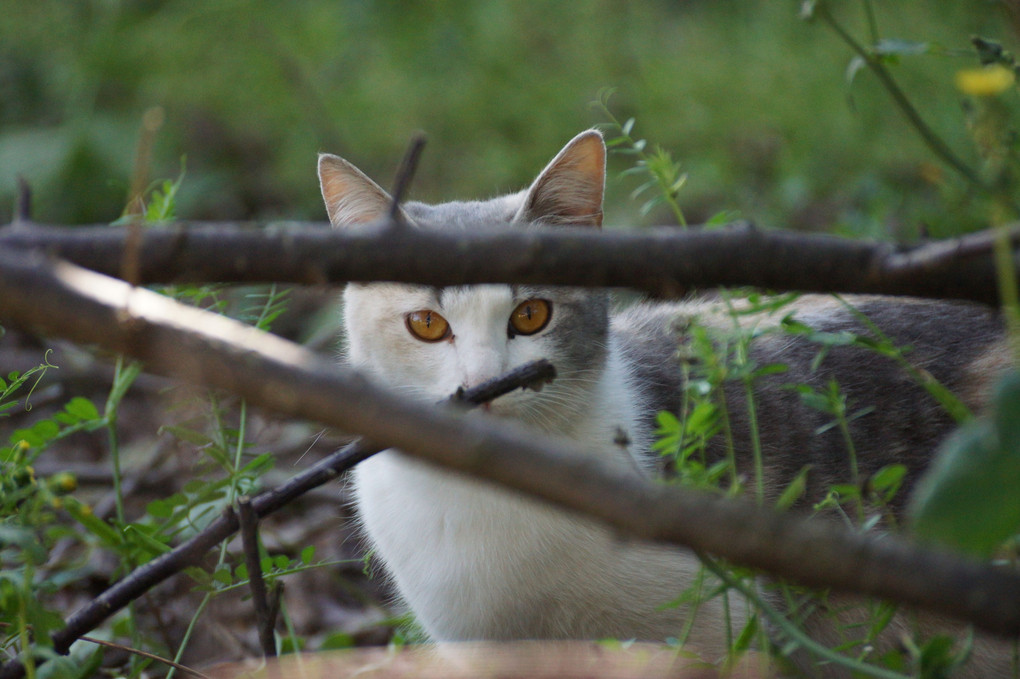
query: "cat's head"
428, 341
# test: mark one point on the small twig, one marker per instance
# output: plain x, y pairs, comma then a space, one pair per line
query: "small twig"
146, 654
23, 205
152, 120
138, 652
937, 255
930, 138
130, 269
265, 621
190, 553
405, 174
275, 596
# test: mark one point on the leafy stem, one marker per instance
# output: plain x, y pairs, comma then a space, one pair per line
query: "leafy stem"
659, 164
790, 629
874, 62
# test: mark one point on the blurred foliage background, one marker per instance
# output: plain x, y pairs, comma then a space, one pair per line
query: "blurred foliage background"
752, 100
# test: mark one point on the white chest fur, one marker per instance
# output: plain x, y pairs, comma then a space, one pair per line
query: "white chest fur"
477, 562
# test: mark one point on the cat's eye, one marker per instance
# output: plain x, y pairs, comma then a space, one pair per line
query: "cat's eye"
529, 317
427, 325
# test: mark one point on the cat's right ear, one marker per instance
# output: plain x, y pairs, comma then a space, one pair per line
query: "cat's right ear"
351, 197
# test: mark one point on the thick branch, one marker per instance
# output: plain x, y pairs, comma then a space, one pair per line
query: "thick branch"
664, 262
191, 552
197, 346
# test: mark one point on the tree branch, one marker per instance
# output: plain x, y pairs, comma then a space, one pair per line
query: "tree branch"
405, 173
265, 618
664, 262
191, 552
61, 299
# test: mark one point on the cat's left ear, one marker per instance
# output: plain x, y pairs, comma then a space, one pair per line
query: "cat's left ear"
569, 190
351, 197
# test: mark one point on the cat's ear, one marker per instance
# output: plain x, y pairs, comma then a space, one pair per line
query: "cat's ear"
569, 190
351, 197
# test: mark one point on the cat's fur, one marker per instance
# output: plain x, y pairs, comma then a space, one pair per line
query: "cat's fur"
476, 562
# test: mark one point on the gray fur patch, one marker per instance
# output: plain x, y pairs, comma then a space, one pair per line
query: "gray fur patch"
899, 422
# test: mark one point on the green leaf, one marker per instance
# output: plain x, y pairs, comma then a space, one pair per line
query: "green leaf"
337, 641
159, 509
722, 218
82, 408
124, 379
66, 419
886, 481
46, 429
967, 499
138, 535
845, 491
290, 644
307, 554
104, 531
795, 490
259, 464
743, 642
770, 369
701, 418
188, 435
222, 575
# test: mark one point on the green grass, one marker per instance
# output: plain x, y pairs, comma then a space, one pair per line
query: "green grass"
750, 98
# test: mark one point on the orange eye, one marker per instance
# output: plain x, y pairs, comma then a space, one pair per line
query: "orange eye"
529, 317
428, 326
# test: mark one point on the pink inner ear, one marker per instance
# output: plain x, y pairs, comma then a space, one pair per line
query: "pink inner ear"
350, 196
569, 190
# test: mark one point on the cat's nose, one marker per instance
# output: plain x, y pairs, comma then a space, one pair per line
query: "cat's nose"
484, 364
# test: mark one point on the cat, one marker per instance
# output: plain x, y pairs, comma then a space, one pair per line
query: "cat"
475, 562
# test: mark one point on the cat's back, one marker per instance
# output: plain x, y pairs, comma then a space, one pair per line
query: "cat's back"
860, 347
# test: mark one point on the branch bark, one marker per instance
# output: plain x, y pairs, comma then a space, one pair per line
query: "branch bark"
191, 552
65, 300
664, 262
265, 616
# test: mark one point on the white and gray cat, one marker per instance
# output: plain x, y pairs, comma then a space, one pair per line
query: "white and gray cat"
476, 562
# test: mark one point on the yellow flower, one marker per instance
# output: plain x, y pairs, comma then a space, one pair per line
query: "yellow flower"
985, 82
63, 482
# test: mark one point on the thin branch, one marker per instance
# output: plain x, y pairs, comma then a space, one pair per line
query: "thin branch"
405, 174
138, 652
265, 621
145, 654
191, 552
930, 138
938, 255
23, 205
64, 300
663, 261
